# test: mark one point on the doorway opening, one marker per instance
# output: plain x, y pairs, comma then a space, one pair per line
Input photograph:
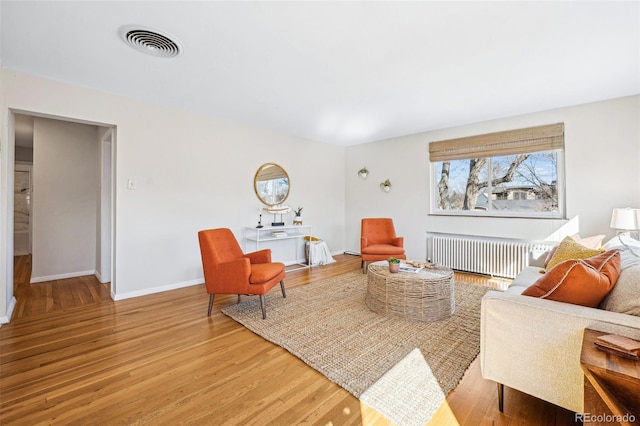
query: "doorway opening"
54, 182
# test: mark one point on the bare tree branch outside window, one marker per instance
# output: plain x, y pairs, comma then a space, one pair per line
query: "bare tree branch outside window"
523, 182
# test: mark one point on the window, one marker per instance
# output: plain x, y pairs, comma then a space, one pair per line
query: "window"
516, 173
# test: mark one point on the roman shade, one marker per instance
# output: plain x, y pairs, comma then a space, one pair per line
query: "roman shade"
520, 141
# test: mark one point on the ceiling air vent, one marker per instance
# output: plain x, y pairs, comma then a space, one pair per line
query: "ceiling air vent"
151, 42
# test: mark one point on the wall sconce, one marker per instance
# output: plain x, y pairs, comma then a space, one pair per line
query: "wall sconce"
363, 172
386, 185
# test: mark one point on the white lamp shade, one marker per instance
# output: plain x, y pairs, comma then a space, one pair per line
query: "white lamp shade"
627, 219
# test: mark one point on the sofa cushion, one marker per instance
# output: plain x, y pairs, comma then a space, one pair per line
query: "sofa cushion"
625, 296
579, 281
526, 277
571, 249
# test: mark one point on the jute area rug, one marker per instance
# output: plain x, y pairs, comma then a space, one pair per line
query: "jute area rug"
403, 369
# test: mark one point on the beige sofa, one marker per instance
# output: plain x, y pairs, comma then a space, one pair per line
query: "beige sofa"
533, 345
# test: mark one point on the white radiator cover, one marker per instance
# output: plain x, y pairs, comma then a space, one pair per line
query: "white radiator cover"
496, 257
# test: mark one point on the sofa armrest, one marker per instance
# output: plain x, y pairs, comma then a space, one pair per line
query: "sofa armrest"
534, 345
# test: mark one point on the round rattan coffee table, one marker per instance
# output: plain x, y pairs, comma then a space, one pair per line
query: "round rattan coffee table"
426, 295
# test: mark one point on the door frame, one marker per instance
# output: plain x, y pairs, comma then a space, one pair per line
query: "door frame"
6, 187
104, 262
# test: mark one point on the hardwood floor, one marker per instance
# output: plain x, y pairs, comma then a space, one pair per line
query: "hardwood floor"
73, 356
53, 296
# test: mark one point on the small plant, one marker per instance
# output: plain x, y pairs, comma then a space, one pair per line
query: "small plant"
394, 260
363, 172
298, 211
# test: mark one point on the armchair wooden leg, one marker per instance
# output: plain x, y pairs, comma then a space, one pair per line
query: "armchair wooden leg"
262, 305
210, 304
501, 397
284, 294
364, 267
238, 298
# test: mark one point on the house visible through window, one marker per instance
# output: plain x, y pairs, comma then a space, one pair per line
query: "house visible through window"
513, 173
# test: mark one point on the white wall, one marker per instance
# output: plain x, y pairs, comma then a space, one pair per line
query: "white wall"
195, 172
602, 147
192, 172
65, 182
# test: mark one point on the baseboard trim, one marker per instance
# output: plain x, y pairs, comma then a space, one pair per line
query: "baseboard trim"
160, 289
99, 277
62, 276
7, 318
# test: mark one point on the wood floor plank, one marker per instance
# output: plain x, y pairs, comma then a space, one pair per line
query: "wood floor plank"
73, 356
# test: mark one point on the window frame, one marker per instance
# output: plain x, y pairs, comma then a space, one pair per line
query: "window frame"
560, 214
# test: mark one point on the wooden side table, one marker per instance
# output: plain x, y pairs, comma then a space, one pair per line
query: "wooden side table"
611, 386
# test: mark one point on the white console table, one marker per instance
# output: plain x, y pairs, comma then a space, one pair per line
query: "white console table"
259, 238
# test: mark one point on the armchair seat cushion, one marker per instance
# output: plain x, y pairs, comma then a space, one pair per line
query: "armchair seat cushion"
383, 249
264, 272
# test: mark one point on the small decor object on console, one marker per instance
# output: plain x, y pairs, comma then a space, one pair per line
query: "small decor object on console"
297, 220
394, 265
275, 210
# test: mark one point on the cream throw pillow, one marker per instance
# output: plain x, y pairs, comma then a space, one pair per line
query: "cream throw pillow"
593, 242
625, 296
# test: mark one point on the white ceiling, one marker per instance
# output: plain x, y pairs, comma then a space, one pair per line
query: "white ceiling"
339, 72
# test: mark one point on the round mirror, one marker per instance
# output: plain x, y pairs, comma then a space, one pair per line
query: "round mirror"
271, 184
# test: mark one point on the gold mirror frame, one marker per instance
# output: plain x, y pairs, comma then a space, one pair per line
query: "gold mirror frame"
271, 184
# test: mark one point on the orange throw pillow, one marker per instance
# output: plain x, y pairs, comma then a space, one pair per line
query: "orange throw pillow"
579, 281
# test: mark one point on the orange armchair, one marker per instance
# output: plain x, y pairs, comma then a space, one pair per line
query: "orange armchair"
378, 241
229, 271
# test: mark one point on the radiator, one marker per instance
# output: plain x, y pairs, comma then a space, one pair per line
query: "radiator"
496, 257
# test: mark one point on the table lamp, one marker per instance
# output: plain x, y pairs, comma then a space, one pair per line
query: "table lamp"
625, 220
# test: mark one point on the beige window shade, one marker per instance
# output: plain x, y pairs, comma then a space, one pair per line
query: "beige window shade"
510, 142
270, 173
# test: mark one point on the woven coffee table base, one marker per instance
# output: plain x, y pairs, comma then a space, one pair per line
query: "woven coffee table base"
424, 296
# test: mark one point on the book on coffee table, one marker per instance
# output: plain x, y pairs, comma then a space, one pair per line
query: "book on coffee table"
619, 345
407, 268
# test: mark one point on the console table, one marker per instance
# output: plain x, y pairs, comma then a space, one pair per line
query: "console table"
611, 385
259, 238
